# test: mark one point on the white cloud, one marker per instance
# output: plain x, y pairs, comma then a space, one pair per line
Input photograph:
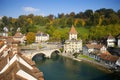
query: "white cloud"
30, 9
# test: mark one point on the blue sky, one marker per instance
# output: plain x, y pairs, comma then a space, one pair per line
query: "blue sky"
15, 8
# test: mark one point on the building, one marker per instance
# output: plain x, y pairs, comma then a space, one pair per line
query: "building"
73, 45
110, 41
118, 41
1, 17
109, 59
118, 62
41, 37
5, 33
19, 37
91, 48
15, 66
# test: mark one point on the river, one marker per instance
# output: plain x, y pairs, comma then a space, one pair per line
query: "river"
62, 68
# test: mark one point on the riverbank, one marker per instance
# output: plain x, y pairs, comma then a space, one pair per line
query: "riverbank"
97, 65
91, 62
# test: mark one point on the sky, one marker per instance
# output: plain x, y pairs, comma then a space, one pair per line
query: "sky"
15, 8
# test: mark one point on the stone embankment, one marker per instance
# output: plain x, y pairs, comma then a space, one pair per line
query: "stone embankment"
91, 62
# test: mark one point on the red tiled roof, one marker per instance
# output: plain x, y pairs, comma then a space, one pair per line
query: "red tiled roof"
11, 71
32, 63
3, 62
97, 46
11, 40
107, 53
109, 57
73, 30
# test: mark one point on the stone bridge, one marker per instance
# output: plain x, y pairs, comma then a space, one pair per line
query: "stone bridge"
46, 52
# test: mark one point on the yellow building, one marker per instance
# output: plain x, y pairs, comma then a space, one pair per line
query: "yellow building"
73, 45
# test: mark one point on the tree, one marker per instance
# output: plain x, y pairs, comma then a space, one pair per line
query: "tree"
5, 20
88, 13
118, 13
113, 18
30, 37
61, 15
51, 17
72, 14
56, 35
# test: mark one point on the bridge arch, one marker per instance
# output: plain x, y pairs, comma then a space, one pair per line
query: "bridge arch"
47, 53
38, 56
55, 52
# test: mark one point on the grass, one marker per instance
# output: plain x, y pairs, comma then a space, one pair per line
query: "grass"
82, 30
86, 57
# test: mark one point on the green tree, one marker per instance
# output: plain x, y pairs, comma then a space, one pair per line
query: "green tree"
5, 20
88, 13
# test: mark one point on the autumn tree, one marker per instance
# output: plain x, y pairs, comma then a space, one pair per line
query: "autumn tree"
30, 37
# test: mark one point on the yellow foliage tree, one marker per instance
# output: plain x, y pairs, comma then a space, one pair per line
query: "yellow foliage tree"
75, 21
29, 20
83, 22
30, 37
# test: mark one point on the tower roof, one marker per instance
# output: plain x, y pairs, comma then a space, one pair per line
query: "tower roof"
73, 30
110, 36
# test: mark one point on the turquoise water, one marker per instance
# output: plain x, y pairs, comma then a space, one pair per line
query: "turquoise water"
62, 68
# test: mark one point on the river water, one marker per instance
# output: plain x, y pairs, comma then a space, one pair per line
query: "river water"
62, 68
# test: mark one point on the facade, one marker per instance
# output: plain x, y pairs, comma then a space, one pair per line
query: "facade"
5, 33
19, 37
111, 41
41, 37
118, 41
92, 48
73, 45
118, 62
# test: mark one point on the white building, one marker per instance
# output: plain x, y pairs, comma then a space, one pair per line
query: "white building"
118, 62
1, 17
41, 37
111, 41
93, 48
118, 42
73, 45
5, 33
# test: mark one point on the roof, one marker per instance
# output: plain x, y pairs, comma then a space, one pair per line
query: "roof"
28, 60
97, 46
109, 57
118, 36
41, 34
11, 40
73, 30
18, 35
11, 72
15, 67
3, 62
110, 36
